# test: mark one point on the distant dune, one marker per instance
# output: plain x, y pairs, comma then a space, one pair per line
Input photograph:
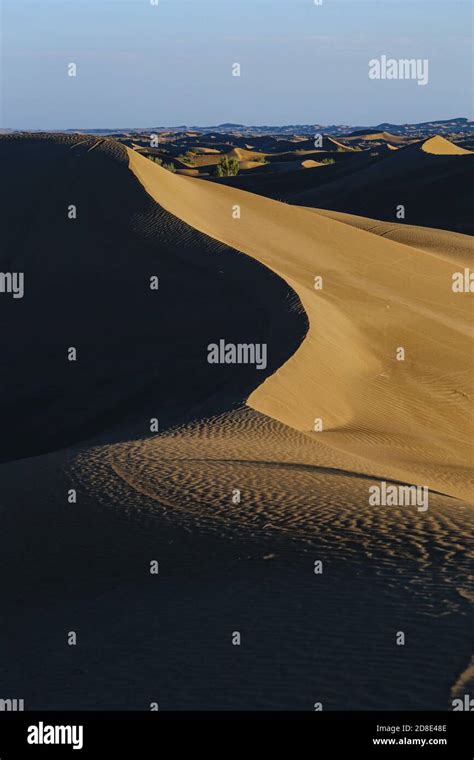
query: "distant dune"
249, 164
310, 164
379, 136
439, 146
431, 178
340, 146
243, 155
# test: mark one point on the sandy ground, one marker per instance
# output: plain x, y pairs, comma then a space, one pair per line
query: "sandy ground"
230, 565
409, 419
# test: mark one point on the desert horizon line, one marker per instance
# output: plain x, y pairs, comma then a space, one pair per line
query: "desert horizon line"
229, 124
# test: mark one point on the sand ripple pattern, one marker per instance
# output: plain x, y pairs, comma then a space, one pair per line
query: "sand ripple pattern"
290, 488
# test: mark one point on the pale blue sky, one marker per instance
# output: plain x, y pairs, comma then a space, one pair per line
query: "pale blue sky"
145, 65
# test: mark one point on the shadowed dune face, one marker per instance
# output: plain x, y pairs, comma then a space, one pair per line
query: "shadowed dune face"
141, 353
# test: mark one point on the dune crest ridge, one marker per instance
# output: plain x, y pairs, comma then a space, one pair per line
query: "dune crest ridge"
439, 146
407, 420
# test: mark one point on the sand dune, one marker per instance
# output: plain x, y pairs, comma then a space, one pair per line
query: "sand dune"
408, 420
340, 146
436, 190
188, 475
273, 151
310, 164
188, 172
459, 249
379, 136
226, 563
249, 164
243, 155
207, 161
439, 146
95, 272
204, 149
383, 288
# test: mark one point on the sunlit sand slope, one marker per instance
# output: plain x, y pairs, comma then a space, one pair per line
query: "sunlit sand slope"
439, 146
189, 476
449, 245
387, 364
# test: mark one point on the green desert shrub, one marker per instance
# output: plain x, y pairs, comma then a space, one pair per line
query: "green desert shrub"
228, 167
155, 159
187, 158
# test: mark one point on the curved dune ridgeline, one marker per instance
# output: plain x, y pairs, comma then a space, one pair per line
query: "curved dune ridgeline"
141, 353
385, 286
235, 495
407, 420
